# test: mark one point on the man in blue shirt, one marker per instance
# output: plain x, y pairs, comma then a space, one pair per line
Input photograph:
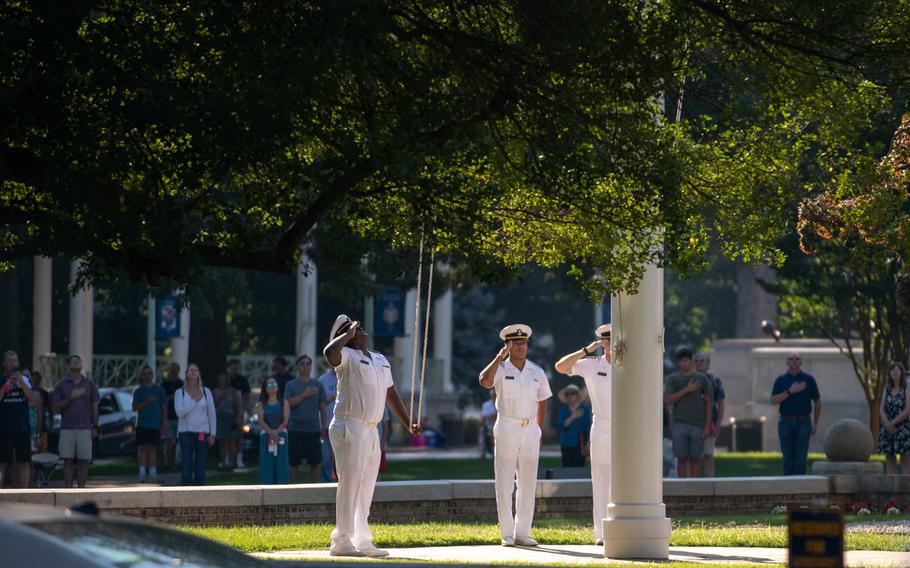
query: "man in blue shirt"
306, 397
150, 401
800, 406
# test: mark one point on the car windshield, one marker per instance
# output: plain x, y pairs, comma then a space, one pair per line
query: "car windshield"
143, 546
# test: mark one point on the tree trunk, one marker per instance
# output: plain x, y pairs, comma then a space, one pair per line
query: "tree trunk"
753, 303
208, 341
874, 421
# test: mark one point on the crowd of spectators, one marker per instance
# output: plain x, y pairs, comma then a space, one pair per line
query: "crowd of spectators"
179, 417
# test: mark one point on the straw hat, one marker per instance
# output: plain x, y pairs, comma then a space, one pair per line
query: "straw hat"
582, 393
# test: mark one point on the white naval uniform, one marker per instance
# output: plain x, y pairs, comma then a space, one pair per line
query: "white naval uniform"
517, 447
598, 378
362, 385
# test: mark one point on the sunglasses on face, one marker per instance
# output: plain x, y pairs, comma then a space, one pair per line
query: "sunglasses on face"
271, 385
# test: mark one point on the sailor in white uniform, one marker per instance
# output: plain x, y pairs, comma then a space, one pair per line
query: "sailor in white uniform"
364, 388
598, 377
522, 390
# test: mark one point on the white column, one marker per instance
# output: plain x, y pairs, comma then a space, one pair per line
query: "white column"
81, 326
89, 331
151, 350
41, 316
306, 341
180, 346
442, 337
404, 345
369, 308
637, 525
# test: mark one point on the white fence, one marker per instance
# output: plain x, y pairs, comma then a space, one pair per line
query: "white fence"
123, 370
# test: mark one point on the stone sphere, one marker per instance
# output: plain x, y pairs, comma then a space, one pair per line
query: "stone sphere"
848, 440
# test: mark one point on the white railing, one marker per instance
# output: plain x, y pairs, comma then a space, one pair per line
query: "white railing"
123, 370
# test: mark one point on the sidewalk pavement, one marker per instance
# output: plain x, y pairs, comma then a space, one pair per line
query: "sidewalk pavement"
586, 555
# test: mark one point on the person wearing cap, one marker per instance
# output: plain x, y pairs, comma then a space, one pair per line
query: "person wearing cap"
522, 390
689, 392
364, 389
574, 423
598, 375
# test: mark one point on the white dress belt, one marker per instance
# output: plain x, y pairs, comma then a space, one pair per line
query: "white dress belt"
518, 421
362, 421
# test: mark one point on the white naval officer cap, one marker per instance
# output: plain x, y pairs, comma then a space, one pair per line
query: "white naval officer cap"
515, 331
603, 331
341, 325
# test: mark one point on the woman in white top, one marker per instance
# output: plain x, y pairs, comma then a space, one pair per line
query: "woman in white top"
196, 425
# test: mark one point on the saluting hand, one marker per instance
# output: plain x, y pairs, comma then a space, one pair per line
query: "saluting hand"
504, 352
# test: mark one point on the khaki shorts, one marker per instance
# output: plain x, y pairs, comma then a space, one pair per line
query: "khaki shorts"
75, 444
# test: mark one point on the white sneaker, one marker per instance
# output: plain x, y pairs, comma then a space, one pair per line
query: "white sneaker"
599, 542
507, 541
525, 541
240, 464
344, 547
369, 549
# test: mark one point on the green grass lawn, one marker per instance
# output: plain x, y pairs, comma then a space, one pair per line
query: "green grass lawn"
727, 465
762, 531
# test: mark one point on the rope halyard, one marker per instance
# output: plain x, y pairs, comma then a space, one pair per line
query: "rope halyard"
416, 327
426, 335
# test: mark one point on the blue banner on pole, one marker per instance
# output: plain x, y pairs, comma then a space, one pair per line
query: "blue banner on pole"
167, 318
388, 319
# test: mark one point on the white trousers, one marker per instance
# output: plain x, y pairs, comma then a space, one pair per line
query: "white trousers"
516, 451
600, 473
357, 454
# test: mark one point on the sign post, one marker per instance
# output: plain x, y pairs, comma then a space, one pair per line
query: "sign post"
816, 538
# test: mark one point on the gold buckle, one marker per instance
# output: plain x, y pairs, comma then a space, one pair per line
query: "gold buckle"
525, 421
372, 424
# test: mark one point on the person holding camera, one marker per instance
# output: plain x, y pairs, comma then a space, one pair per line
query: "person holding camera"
16, 395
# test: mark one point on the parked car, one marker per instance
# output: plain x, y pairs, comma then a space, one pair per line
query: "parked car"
39, 536
251, 432
116, 423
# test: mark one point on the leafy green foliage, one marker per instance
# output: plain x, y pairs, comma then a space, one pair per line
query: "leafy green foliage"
151, 139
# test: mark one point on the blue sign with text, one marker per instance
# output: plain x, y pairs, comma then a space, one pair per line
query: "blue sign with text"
388, 320
167, 318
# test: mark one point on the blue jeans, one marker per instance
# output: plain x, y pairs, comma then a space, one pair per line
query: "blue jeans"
328, 462
193, 452
794, 444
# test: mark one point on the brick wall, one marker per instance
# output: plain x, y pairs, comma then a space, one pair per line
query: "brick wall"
455, 510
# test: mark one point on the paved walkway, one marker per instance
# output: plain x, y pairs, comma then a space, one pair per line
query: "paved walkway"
587, 554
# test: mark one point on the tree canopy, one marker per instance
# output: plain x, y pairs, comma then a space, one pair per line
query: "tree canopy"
152, 139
